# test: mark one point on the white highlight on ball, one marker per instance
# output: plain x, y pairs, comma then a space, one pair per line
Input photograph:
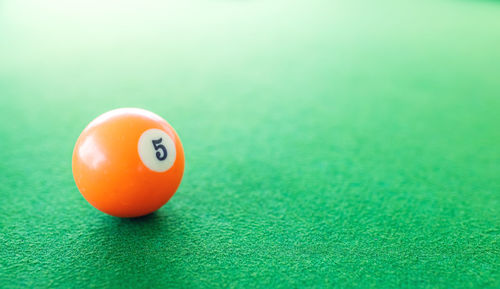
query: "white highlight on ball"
156, 150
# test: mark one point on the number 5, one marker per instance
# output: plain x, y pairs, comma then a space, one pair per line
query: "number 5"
158, 146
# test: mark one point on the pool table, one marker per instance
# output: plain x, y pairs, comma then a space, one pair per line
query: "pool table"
328, 144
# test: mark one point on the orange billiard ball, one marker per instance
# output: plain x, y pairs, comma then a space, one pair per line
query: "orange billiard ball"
128, 162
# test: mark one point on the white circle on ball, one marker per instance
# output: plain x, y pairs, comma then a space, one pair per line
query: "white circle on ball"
156, 150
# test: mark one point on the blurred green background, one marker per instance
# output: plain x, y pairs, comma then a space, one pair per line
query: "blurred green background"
328, 143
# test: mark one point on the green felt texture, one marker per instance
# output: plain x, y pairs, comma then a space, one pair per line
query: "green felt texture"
329, 144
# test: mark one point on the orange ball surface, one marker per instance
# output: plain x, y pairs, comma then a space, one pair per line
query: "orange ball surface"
128, 162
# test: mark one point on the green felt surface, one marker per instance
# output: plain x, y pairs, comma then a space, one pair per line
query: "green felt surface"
328, 143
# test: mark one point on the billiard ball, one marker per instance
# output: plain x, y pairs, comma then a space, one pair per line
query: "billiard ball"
128, 162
